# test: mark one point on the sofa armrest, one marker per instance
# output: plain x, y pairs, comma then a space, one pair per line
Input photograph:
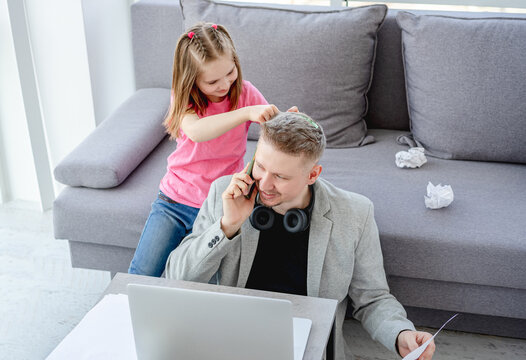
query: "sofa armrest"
118, 145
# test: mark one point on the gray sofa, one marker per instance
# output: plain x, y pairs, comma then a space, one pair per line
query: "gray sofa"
469, 257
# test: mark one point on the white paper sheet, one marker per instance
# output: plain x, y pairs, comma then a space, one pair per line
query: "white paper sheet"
412, 158
301, 335
106, 333
439, 196
413, 355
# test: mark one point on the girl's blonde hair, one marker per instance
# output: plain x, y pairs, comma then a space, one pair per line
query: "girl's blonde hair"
201, 43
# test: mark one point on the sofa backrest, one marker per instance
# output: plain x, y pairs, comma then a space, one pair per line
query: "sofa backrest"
157, 24
156, 27
387, 96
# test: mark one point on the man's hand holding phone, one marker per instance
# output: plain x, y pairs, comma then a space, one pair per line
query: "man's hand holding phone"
238, 201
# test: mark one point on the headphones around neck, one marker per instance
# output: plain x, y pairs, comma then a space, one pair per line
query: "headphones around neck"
294, 220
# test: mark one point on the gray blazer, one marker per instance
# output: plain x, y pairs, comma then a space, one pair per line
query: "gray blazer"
344, 259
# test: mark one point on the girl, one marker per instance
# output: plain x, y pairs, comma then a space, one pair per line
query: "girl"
210, 111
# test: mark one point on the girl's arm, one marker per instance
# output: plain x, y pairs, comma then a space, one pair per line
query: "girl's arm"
211, 127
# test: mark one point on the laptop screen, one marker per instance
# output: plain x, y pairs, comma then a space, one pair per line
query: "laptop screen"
175, 323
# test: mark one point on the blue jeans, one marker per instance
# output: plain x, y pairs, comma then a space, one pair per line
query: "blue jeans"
167, 224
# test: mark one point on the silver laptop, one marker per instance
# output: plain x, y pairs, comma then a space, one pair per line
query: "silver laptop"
172, 323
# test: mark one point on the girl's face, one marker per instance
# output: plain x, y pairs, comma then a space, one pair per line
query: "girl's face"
216, 78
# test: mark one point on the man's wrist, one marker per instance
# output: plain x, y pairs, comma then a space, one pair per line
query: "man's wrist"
229, 230
396, 343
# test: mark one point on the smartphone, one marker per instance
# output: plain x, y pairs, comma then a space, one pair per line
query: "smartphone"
249, 172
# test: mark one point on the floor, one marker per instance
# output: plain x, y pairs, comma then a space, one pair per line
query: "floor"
42, 298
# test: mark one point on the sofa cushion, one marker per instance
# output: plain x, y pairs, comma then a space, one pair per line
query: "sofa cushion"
320, 60
118, 145
465, 85
387, 97
479, 239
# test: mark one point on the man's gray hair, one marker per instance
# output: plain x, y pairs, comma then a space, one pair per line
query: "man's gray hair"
295, 134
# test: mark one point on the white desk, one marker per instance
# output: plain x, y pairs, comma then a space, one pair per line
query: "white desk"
320, 311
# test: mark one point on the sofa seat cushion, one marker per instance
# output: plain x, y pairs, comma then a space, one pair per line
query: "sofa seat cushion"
479, 239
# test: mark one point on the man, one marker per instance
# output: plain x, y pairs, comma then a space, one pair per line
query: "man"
337, 255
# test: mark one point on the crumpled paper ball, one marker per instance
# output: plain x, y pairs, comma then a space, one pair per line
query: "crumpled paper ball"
438, 196
412, 158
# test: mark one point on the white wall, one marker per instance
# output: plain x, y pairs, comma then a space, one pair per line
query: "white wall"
60, 59
17, 172
108, 40
74, 94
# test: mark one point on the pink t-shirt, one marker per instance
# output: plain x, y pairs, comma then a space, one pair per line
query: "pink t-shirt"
192, 167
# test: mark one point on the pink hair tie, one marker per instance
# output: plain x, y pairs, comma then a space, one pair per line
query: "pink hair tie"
191, 34
214, 26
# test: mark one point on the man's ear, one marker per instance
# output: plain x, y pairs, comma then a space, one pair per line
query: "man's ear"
314, 174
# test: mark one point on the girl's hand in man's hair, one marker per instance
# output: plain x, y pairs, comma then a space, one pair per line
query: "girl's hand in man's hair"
261, 113
293, 109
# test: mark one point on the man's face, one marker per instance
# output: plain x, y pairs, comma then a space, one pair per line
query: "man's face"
282, 179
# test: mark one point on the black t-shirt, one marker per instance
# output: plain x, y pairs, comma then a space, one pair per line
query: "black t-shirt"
280, 263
